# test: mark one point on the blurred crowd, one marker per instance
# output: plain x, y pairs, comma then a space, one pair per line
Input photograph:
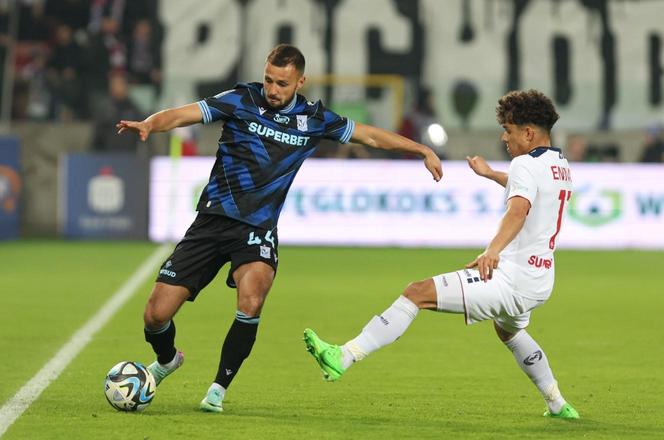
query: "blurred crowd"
579, 149
75, 59
101, 60
653, 147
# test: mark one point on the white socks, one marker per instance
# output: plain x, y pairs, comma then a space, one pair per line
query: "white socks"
380, 331
534, 363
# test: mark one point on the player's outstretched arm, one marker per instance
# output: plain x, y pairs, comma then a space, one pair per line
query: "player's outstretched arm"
481, 168
163, 121
378, 138
510, 225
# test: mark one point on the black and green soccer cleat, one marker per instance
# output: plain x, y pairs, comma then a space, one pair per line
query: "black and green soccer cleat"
328, 356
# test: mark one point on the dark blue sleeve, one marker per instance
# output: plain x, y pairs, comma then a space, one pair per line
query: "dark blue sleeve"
221, 106
337, 127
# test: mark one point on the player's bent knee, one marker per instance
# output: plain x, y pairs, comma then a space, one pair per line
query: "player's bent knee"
252, 304
503, 334
421, 293
163, 304
157, 314
411, 291
252, 307
153, 319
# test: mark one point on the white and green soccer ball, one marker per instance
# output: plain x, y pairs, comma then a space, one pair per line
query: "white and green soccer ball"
129, 386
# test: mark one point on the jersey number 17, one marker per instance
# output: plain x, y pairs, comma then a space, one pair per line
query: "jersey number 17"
564, 196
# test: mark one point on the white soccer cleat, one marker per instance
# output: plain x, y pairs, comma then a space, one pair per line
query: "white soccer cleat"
160, 371
213, 400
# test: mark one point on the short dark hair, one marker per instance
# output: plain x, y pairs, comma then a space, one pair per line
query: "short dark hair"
526, 107
285, 54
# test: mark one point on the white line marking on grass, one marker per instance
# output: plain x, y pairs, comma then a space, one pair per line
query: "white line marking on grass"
15, 406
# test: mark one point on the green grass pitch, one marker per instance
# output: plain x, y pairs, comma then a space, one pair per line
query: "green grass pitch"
602, 330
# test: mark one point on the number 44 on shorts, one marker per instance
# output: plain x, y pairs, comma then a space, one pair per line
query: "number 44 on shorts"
265, 250
255, 239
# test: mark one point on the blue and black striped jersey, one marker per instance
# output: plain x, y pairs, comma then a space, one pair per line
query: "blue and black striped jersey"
261, 150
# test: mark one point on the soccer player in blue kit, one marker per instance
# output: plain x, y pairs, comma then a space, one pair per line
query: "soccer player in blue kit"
268, 131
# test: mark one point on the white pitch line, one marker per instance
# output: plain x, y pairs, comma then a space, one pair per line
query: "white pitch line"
15, 406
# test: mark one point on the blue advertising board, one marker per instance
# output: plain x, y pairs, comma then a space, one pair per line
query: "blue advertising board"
104, 196
10, 187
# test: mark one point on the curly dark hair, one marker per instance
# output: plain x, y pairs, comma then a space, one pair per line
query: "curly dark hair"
526, 107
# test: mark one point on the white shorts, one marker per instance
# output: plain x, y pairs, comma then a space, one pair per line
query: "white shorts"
463, 292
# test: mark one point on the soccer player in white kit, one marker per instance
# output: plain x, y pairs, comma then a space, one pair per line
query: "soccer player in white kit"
513, 276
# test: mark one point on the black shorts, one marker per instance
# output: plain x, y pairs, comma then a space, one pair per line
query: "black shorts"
210, 242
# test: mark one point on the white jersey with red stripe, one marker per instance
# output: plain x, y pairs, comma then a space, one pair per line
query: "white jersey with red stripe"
543, 178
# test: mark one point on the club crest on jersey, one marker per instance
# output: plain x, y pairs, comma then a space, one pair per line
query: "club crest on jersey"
281, 119
302, 123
